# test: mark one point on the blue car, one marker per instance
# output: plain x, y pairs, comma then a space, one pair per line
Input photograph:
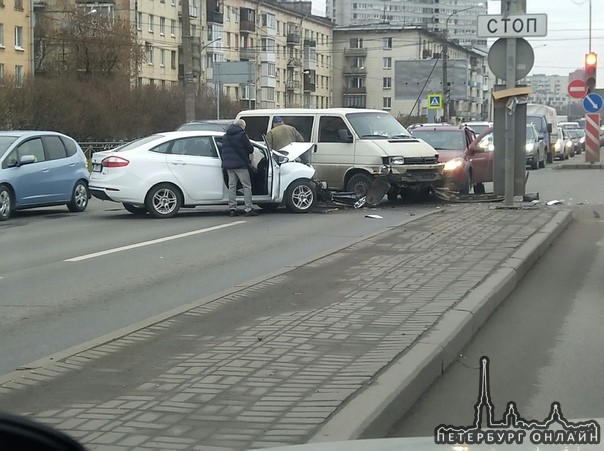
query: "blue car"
40, 168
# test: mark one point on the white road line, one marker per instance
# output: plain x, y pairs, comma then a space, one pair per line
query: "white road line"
149, 243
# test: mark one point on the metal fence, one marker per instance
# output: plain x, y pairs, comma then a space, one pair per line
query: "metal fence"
90, 147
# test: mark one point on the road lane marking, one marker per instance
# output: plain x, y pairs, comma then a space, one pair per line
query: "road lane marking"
151, 242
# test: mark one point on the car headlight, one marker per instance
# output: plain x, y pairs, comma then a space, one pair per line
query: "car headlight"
397, 160
453, 164
582, 140
530, 147
557, 146
569, 144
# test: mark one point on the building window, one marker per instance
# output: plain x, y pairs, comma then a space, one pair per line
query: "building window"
139, 20
151, 18
149, 48
173, 59
173, 28
387, 82
356, 43
387, 103
19, 4
162, 58
358, 63
1, 74
162, 26
19, 38
19, 75
387, 63
269, 21
1, 35
387, 43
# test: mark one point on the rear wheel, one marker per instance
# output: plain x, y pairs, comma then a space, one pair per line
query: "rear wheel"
135, 209
300, 196
359, 184
6, 203
163, 201
79, 198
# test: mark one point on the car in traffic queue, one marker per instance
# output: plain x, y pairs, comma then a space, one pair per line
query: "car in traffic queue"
164, 172
41, 168
536, 153
563, 145
468, 157
577, 136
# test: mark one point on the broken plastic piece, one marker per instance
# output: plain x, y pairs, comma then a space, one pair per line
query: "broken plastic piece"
554, 202
374, 216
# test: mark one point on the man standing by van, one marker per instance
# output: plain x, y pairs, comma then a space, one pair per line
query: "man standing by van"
282, 134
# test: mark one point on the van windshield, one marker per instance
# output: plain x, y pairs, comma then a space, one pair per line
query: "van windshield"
369, 125
539, 122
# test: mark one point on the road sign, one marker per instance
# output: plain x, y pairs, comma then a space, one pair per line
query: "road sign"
497, 26
497, 58
435, 101
577, 89
593, 102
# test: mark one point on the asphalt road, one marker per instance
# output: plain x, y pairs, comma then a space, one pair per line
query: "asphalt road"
66, 279
544, 341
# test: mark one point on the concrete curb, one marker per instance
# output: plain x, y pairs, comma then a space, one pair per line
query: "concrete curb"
581, 166
373, 412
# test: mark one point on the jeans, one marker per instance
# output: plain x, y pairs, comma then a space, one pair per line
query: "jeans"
243, 175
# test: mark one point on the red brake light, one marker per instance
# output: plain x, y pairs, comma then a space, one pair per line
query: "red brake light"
114, 162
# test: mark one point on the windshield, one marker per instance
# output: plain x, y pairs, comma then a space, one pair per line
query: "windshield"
5, 143
539, 122
377, 126
478, 128
443, 139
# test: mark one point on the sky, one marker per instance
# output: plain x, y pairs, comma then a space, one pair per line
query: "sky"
563, 49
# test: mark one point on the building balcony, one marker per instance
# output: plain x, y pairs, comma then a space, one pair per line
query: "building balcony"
349, 91
246, 26
247, 53
292, 85
293, 62
215, 17
293, 38
355, 52
355, 71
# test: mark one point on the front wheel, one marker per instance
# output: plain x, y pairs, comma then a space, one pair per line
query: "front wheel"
135, 209
300, 196
359, 184
6, 203
163, 201
79, 198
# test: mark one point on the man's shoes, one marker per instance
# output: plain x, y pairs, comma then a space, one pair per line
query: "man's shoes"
251, 213
233, 212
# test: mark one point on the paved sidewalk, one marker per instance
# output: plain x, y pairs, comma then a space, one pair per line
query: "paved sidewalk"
318, 352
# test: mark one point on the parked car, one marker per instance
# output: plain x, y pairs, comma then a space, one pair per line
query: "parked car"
563, 145
478, 126
161, 173
467, 156
210, 125
41, 168
535, 148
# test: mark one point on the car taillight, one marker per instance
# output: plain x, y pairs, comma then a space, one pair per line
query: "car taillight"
114, 162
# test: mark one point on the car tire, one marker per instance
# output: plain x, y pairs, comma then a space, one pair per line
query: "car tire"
550, 157
79, 198
479, 188
542, 162
163, 201
300, 196
135, 209
269, 207
359, 184
535, 163
392, 196
6, 203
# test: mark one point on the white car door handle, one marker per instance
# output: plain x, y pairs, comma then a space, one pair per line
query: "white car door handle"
179, 162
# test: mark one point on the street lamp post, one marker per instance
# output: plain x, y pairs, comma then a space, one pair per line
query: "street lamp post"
446, 90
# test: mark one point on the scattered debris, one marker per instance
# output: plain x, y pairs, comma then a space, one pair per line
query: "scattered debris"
596, 214
554, 202
374, 216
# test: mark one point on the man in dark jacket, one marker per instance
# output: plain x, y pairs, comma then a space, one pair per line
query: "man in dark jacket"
236, 151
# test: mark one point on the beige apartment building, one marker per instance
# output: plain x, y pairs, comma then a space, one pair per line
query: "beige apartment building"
16, 55
290, 49
400, 68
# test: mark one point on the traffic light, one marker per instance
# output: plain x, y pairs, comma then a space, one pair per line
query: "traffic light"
591, 65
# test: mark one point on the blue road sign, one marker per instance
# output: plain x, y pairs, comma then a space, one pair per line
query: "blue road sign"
593, 102
435, 101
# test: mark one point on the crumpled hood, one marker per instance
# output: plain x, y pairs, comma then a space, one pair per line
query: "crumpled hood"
294, 150
408, 148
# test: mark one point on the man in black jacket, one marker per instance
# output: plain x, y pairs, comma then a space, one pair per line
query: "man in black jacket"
236, 151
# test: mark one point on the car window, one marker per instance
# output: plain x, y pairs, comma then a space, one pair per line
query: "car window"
328, 129
256, 126
200, 146
32, 147
5, 143
70, 146
302, 123
55, 150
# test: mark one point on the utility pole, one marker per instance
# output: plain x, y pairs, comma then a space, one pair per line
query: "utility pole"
187, 53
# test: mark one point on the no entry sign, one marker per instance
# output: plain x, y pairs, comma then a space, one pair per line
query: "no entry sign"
577, 89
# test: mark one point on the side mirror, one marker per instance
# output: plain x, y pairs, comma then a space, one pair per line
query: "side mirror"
27, 159
344, 136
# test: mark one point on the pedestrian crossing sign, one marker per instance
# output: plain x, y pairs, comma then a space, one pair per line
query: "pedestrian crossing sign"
435, 101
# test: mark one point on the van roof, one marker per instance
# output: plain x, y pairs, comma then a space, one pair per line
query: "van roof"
286, 111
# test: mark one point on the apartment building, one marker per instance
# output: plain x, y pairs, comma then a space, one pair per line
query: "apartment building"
396, 68
16, 55
290, 48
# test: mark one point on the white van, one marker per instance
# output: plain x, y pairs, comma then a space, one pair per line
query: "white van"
355, 145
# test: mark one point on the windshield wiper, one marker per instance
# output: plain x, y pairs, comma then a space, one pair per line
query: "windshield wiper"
375, 136
400, 136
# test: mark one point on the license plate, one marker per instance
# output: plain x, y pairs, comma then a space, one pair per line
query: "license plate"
97, 167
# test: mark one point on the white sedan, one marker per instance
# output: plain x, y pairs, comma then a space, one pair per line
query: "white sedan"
161, 173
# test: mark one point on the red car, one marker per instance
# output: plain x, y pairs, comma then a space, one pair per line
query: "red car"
468, 157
